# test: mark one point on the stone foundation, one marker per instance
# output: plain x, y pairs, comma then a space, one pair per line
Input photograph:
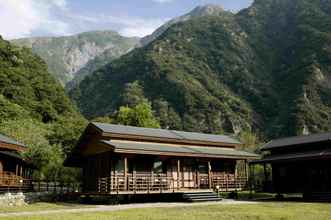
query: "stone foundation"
19, 199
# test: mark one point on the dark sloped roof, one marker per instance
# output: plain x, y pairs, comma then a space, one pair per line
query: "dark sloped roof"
8, 140
163, 133
319, 154
155, 148
299, 140
11, 154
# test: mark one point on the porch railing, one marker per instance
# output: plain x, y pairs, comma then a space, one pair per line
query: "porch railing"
229, 182
149, 183
10, 181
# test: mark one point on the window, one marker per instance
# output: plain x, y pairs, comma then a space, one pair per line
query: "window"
203, 168
159, 167
119, 166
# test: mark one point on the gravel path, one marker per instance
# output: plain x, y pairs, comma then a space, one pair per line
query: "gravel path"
108, 208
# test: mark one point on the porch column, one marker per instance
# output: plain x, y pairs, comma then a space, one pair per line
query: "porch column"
21, 170
265, 172
209, 175
134, 179
1, 167
125, 173
178, 173
198, 175
265, 177
16, 171
246, 170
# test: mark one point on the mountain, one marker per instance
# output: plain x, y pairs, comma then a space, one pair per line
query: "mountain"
265, 69
106, 57
66, 56
200, 11
30, 95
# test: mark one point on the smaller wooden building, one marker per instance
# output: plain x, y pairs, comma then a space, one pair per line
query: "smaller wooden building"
299, 164
15, 172
129, 160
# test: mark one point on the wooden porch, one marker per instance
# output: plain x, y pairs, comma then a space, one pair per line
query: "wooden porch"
133, 174
9, 181
141, 183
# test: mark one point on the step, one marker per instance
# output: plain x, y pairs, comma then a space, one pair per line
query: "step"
201, 196
202, 193
206, 200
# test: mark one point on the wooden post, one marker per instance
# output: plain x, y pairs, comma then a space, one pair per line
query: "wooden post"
16, 172
209, 175
265, 176
1, 167
198, 176
246, 170
150, 180
134, 179
178, 173
21, 171
251, 180
227, 182
117, 182
265, 172
125, 173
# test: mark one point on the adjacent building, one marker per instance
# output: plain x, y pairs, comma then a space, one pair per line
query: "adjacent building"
127, 160
15, 172
299, 164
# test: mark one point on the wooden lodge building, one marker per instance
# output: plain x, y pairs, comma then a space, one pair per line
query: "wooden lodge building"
15, 172
128, 160
299, 164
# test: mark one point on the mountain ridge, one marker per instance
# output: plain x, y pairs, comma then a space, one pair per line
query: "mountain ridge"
263, 69
66, 55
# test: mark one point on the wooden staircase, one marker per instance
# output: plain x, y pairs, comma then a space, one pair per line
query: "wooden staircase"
204, 196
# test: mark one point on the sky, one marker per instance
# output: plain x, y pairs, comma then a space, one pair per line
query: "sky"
31, 18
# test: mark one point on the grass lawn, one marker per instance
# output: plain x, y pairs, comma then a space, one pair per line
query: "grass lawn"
261, 211
41, 206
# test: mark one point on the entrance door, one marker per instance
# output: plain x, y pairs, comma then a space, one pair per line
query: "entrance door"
188, 173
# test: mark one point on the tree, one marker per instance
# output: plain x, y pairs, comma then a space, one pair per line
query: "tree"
66, 132
133, 94
46, 157
140, 115
249, 140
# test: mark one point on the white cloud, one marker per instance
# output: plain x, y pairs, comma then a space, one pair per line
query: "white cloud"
26, 18
125, 25
19, 18
136, 27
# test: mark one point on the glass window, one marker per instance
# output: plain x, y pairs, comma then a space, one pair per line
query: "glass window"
159, 167
203, 168
119, 166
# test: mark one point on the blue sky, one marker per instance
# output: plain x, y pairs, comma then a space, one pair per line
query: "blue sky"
26, 18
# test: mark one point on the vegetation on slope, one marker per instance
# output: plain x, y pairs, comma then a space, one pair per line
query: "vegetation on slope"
35, 110
66, 56
264, 69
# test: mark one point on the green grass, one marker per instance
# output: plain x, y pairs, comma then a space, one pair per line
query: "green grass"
261, 211
41, 206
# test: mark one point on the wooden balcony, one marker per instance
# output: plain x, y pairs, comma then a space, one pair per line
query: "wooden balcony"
141, 183
10, 181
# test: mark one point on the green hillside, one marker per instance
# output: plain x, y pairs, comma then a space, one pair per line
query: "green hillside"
35, 110
264, 69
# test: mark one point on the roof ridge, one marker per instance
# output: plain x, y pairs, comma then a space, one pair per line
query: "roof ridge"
167, 133
300, 136
177, 134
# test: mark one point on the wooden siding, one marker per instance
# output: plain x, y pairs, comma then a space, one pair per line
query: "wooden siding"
110, 173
